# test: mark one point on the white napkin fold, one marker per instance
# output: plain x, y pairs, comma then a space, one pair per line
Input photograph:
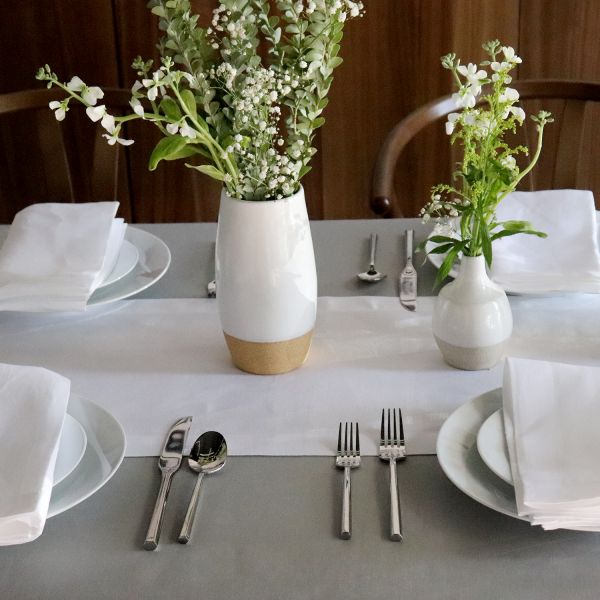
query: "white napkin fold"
33, 402
568, 260
56, 255
551, 419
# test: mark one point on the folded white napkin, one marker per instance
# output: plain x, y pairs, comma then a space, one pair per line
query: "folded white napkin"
33, 402
568, 260
551, 419
56, 255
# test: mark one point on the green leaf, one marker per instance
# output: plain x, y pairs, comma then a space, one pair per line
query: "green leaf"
208, 170
447, 265
441, 249
189, 100
170, 108
438, 239
167, 147
486, 245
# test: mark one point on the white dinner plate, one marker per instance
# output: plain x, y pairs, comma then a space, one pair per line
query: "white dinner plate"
153, 262
126, 261
437, 259
71, 448
491, 445
103, 454
458, 456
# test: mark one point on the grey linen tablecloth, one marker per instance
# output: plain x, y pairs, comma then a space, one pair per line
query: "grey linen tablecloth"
267, 526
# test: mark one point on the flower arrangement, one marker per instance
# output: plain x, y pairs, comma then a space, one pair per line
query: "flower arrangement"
489, 170
243, 96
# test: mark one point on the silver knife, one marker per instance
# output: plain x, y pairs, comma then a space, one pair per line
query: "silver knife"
408, 277
168, 463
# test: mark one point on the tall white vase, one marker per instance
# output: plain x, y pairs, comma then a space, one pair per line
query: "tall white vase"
266, 282
472, 320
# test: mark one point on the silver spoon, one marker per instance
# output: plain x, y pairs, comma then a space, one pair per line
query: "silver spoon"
372, 275
208, 455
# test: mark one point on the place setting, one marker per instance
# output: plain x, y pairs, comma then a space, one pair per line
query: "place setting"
78, 447
69, 257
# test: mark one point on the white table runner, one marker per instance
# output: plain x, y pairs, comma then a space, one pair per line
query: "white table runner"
150, 362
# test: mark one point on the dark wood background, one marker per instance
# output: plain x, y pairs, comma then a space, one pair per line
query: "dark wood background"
391, 67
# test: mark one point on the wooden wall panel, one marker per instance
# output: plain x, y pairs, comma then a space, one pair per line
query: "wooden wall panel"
391, 67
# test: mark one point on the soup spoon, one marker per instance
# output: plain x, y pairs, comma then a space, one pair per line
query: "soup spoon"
208, 455
372, 275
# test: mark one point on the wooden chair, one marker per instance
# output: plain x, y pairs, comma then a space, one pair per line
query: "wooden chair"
49, 155
569, 135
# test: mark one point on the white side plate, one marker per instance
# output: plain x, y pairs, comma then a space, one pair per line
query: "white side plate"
126, 261
153, 262
103, 455
491, 444
71, 448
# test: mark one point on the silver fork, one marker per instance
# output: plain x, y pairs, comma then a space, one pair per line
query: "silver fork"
392, 449
347, 459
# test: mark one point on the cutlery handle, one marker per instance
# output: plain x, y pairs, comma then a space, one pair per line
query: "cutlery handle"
395, 518
153, 534
373, 250
188, 522
346, 530
409, 244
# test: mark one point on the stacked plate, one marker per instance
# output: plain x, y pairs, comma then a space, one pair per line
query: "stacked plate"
92, 446
142, 261
472, 452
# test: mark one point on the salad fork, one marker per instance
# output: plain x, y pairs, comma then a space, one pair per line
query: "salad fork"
393, 449
347, 459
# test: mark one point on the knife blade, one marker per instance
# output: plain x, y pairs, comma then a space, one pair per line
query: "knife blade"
408, 277
168, 463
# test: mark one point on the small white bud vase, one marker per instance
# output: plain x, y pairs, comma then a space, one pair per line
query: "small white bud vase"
266, 282
472, 320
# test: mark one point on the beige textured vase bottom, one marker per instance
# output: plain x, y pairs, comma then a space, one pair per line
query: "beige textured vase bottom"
471, 359
269, 358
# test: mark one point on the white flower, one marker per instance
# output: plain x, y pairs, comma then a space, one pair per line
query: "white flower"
172, 128
137, 107
108, 122
59, 108
517, 111
499, 66
509, 95
509, 162
472, 75
186, 131
75, 85
510, 56
91, 95
451, 122
95, 113
465, 98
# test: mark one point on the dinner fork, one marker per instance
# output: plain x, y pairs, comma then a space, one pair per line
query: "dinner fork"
393, 449
347, 459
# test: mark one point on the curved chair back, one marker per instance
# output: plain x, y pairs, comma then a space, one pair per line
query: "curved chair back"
575, 94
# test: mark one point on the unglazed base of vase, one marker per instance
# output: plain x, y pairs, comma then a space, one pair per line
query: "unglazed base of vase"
471, 359
269, 358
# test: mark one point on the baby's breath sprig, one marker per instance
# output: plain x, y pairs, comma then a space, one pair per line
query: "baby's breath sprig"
240, 118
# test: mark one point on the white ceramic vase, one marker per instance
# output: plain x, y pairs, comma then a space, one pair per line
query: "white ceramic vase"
266, 282
472, 320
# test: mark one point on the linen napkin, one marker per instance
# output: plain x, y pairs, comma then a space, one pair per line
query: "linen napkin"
551, 418
568, 260
33, 402
56, 255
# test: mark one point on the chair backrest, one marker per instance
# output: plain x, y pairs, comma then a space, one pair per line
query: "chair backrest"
54, 154
568, 136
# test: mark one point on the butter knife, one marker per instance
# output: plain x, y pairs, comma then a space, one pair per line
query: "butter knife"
408, 277
168, 463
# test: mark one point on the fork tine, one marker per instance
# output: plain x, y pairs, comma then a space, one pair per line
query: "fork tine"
339, 447
346, 439
383, 426
357, 441
351, 439
401, 427
389, 433
395, 431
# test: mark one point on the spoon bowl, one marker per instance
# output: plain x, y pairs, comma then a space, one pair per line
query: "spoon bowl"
372, 275
208, 455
